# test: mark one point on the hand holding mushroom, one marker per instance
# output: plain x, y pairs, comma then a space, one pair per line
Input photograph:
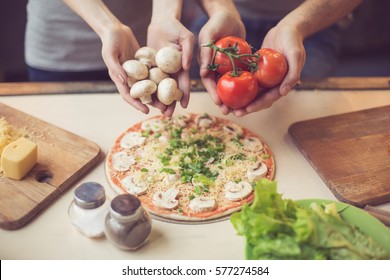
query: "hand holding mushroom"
149, 73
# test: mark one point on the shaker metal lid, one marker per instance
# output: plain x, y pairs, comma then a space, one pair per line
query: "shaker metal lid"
125, 204
89, 195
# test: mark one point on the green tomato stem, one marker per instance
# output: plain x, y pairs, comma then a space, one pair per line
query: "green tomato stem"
232, 53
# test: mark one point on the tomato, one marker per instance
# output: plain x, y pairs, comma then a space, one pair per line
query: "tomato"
237, 92
224, 62
271, 68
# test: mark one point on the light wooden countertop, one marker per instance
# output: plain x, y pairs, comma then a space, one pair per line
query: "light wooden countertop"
102, 116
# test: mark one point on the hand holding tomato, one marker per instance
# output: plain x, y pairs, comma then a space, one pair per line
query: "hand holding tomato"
244, 73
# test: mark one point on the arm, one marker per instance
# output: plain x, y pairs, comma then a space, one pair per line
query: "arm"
224, 20
315, 15
288, 36
165, 29
118, 44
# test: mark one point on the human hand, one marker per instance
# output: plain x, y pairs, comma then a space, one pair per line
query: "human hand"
289, 42
171, 32
223, 23
118, 45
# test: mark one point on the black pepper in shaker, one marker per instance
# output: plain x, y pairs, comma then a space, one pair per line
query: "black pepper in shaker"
127, 224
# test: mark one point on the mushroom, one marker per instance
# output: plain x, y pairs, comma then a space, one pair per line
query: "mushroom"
147, 56
135, 69
232, 129
171, 178
167, 199
156, 75
155, 125
127, 182
253, 144
257, 173
132, 139
163, 139
121, 161
168, 92
237, 191
143, 90
168, 60
131, 81
202, 204
204, 120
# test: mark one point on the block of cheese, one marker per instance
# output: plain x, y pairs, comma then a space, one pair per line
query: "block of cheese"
18, 158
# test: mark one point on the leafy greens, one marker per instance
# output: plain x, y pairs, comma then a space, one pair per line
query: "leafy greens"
277, 228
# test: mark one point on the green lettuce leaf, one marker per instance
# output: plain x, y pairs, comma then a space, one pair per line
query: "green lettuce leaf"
277, 228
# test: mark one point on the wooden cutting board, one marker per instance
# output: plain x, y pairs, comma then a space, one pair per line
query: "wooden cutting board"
350, 152
63, 157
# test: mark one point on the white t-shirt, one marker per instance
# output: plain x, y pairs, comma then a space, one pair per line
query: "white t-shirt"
56, 38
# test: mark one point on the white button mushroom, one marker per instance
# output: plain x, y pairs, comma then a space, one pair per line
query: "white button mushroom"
167, 199
232, 129
156, 75
131, 81
155, 125
135, 69
257, 173
168, 92
147, 56
237, 191
121, 161
204, 121
202, 204
253, 144
171, 178
163, 139
168, 60
127, 182
132, 139
143, 90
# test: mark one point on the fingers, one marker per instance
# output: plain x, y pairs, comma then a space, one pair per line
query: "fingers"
117, 74
187, 44
170, 109
296, 61
125, 93
263, 101
184, 85
211, 87
289, 82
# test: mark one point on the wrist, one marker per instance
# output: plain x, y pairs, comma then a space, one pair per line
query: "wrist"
214, 6
166, 9
294, 26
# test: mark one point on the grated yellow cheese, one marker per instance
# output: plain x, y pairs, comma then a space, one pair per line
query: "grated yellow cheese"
9, 134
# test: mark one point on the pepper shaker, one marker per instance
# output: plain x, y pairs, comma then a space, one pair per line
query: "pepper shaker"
88, 209
127, 224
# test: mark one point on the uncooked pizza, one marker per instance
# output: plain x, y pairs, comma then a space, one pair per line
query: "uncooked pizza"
193, 167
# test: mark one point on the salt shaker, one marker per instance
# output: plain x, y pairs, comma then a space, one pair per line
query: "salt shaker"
127, 224
88, 209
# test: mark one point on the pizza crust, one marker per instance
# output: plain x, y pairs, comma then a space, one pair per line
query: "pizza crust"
149, 170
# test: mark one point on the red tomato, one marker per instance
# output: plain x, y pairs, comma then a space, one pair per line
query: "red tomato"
271, 68
237, 92
224, 62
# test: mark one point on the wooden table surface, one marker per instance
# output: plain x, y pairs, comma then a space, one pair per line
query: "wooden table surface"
102, 116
